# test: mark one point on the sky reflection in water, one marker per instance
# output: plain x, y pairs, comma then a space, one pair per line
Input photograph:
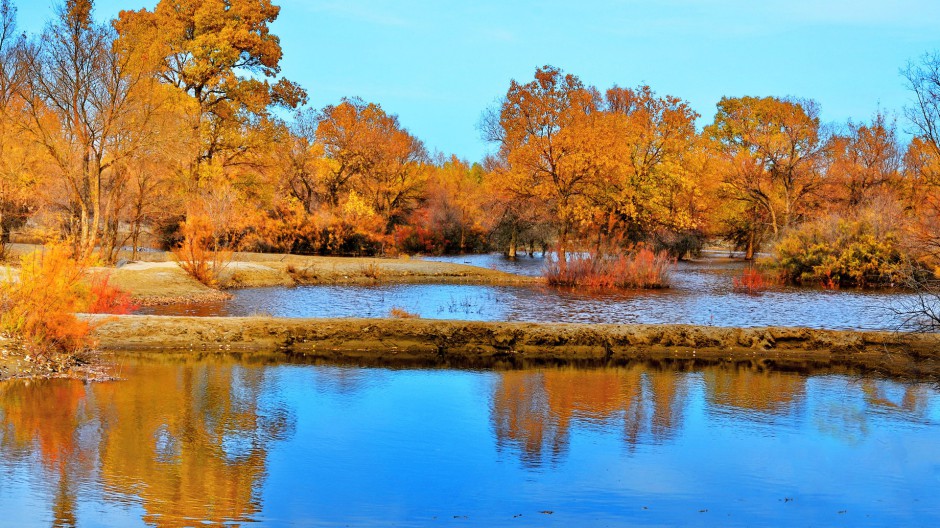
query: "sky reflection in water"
182, 441
701, 294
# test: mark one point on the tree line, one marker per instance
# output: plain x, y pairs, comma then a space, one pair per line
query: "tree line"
176, 123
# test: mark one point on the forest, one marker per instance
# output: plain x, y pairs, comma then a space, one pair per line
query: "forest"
174, 129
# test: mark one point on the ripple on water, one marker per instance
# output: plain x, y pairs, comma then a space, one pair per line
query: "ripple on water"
701, 294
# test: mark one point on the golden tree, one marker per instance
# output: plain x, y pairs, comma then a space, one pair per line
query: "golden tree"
771, 150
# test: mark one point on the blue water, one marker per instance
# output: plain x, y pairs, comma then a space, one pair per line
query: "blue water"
702, 293
216, 440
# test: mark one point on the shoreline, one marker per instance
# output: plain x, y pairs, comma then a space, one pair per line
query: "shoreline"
447, 342
160, 283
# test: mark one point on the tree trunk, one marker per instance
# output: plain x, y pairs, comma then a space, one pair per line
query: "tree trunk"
563, 250
511, 253
749, 252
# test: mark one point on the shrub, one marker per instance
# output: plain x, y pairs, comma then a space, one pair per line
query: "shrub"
39, 306
108, 299
200, 253
401, 313
836, 252
641, 268
752, 281
371, 271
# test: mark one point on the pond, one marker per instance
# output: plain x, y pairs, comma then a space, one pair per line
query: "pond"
241, 440
702, 293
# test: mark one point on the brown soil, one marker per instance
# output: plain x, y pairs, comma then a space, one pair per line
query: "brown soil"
472, 343
12, 363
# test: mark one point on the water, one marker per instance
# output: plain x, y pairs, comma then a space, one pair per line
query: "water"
701, 294
185, 441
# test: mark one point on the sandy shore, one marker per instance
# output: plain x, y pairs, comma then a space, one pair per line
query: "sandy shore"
458, 343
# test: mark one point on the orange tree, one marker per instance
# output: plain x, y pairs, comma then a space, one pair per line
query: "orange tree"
548, 135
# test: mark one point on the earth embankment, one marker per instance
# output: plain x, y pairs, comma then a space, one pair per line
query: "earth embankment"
470, 343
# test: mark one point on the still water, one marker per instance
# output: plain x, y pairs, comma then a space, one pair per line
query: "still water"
702, 293
250, 440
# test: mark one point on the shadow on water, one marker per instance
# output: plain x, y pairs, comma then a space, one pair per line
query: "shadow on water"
701, 294
255, 437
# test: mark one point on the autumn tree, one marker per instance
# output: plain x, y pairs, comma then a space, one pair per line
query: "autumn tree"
17, 181
450, 216
651, 189
224, 56
88, 105
302, 164
368, 152
771, 148
864, 162
550, 138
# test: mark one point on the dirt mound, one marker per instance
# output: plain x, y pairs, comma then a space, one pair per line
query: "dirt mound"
459, 342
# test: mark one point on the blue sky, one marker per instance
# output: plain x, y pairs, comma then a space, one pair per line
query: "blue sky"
439, 64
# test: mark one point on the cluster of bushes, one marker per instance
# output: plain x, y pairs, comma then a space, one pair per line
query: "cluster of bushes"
640, 268
38, 306
838, 252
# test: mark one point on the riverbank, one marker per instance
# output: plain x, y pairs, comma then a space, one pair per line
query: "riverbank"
459, 343
156, 279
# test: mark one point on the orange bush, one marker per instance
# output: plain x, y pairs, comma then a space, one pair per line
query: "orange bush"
401, 313
108, 299
752, 281
39, 306
200, 254
641, 268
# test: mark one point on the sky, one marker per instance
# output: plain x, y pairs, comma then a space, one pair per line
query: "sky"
439, 64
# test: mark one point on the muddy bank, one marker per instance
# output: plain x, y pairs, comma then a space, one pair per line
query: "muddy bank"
457, 342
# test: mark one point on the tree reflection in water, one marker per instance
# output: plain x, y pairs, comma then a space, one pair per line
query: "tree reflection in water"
190, 443
533, 412
47, 420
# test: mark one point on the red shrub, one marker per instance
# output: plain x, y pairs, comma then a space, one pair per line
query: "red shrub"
752, 281
108, 299
638, 269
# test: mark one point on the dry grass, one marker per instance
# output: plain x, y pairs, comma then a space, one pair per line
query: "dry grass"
401, 313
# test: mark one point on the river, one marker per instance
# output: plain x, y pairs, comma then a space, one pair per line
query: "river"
249, 439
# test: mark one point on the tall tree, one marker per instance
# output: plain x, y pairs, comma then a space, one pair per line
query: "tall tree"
547, 135
369, 152
657, 146
923, 78
16, 157
772, 149
89, 106
221, 53
863, 162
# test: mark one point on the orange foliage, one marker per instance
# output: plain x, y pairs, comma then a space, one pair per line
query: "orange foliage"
200, 253
752, 281
39, 305
642, 268
108, 299
401, 313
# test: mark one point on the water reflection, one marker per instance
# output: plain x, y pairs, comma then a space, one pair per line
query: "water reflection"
215, 440
45, 423
701, 294
187, 441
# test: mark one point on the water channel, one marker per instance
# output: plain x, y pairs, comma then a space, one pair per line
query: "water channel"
252, 439
702, 294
